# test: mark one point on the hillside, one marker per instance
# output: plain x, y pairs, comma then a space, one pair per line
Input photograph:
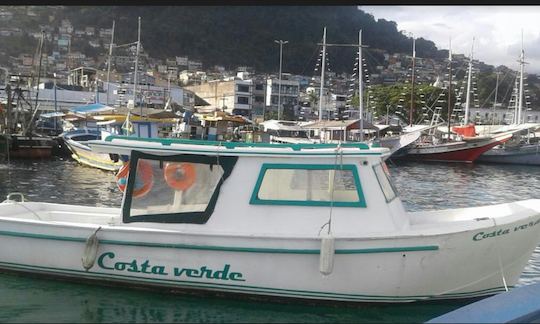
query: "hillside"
244, 35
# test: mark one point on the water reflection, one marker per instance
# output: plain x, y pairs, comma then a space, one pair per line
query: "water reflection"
59, 181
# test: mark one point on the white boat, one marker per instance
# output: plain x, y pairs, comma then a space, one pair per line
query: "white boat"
307, 221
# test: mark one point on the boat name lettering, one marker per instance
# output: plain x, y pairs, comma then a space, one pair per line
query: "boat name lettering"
483, 235
210, 274
132, 266
105, 261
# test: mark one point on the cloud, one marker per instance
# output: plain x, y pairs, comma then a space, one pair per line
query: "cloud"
497, 29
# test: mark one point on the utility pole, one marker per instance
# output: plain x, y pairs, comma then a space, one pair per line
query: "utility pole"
281, 43
55, 106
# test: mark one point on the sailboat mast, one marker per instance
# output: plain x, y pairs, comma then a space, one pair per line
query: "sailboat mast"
136, 67
360, 94
521, 63
39, 68
467, 101
412, 83
495, 100
109, 62
322, 74
449, 86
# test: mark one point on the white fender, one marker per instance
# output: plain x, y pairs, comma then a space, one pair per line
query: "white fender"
90, 251
326, 260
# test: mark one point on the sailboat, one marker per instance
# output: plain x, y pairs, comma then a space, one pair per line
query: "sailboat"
460, 143
524, 146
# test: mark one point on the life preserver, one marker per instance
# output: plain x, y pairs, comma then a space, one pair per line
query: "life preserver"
179, 176
143, 182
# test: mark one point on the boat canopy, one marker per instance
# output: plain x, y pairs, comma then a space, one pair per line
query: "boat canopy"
92, 108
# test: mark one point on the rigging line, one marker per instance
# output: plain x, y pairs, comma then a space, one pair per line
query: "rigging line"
508, 88
311, 58
493, 91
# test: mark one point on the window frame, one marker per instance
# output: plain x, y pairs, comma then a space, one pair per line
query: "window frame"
255, 200
390, 182
227, 163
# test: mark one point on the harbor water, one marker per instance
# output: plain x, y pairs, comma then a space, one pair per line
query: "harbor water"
422, 186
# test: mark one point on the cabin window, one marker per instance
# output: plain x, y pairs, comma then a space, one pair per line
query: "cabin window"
174, 189
387, 186
308, 185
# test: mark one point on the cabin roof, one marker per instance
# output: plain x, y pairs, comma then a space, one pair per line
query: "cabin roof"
125, 144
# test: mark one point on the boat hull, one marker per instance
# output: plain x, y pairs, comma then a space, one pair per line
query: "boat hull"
464, 151
461, 264
23, 147
84, 155
527, 154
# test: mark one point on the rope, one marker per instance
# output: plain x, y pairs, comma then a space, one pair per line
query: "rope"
339, 152
499, 258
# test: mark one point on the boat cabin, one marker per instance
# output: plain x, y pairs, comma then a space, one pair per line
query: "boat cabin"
257, 187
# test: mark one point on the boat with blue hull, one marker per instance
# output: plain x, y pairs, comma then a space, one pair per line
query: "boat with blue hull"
321, 222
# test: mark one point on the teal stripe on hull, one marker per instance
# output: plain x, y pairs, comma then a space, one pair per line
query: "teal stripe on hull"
225, 248
239, 288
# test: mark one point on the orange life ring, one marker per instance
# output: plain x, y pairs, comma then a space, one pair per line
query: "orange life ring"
143, 182
179, 176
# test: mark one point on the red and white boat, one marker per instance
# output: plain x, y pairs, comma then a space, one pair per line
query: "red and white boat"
467, 148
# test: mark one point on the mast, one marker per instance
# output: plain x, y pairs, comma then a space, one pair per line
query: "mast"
136, 67
467, 100
109, 62
412, 83
495, 100
521, 63
449, 85
39, 66
360, 97
322, 74
28, 128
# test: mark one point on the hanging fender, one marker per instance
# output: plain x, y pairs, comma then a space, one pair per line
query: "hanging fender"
179, 176
90, 251
143, 182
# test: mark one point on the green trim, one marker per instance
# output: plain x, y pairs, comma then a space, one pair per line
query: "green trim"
232, 145
255, 200
214, 152
244, 288
225, 248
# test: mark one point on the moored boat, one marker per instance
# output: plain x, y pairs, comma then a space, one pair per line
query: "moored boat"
26, 147
468, 149
308, 221
77, 143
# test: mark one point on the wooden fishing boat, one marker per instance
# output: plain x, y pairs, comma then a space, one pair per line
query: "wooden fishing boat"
308, 221
467, 150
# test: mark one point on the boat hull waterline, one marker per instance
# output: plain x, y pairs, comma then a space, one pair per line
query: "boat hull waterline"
371, 269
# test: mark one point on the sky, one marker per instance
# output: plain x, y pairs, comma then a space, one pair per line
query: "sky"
496, 30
